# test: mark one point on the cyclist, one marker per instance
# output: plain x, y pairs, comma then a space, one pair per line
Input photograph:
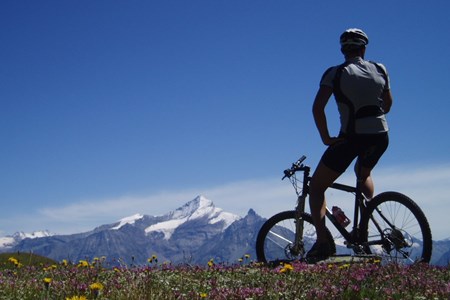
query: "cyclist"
362, 92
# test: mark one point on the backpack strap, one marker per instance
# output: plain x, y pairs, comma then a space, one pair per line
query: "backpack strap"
341, 98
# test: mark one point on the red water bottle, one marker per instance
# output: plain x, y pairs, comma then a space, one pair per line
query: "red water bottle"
340, 216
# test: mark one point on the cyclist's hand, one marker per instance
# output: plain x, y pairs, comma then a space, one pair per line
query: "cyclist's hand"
332, 140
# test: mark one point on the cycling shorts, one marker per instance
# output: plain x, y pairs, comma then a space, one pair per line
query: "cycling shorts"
368, 148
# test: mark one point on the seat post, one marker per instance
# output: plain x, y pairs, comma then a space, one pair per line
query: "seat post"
358, 197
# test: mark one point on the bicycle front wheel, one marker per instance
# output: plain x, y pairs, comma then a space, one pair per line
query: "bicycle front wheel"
396, 229
276, 238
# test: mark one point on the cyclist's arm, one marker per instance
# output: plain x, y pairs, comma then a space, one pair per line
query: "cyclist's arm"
321, 100
387, 101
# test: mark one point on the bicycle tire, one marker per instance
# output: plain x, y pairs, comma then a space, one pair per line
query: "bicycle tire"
277, 235
408, 241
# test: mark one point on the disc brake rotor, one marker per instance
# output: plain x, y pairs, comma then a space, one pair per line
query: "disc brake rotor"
396, 239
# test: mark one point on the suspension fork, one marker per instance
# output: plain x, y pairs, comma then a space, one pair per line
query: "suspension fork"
298, 246
299, 211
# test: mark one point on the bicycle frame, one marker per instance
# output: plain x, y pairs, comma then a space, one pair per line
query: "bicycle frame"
390, 226
350, 237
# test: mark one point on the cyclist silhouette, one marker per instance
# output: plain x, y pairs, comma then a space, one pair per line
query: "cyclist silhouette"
362, 92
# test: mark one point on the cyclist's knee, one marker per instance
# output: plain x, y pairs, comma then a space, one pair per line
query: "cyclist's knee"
322, 179
362, 173
316, 187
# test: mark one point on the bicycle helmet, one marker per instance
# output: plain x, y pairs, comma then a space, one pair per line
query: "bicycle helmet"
353, 38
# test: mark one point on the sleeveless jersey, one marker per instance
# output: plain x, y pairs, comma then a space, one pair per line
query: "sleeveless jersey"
357, 87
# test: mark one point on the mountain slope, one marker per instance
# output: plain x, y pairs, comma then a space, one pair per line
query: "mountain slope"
193, 233
180, 236
9, 242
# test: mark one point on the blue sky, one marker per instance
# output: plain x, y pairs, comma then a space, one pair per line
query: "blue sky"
109, 108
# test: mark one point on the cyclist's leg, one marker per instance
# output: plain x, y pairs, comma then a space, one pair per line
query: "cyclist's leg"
322, 178
373, 147
333, 163
365, 180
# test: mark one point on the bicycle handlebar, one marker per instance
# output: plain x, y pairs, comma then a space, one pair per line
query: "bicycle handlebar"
300, 160
297, 166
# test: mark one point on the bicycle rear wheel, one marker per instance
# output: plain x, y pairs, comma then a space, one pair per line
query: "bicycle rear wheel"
396, 229
274, 244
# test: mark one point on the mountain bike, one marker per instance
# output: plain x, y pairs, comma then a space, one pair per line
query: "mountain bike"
390, 226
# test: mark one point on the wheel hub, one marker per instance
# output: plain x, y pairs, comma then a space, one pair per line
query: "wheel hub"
395, 239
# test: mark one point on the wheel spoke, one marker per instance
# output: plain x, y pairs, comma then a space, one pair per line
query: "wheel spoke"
398, 230
276, 239
278, 236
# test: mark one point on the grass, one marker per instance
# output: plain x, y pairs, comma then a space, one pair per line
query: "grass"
97, 279
25, 259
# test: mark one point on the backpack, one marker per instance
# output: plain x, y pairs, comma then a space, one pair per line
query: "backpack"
365, 111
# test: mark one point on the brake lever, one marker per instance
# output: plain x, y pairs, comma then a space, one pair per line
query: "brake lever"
287, 173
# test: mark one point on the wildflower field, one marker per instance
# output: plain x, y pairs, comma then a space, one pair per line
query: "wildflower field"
98, 279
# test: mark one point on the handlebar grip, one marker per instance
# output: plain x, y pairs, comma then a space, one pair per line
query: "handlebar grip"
300, 160
295, 167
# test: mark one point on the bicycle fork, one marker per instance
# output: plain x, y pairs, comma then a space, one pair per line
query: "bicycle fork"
298, 246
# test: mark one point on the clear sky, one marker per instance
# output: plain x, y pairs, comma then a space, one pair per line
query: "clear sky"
110, 108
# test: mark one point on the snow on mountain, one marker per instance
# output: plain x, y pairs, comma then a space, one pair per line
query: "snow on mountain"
6, 242
128, 220
33, 235
166, 227
198, 208
11, 240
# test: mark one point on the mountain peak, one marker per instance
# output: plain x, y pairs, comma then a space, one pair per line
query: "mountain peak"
193, 208
198, 208
128, 220
251, 212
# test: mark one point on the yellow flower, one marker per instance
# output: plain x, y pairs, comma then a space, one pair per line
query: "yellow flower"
154, 258
47, 280
203, 295
210, 263
344, 266
286, 268
77, 298
14, 261
83, 263
96, 286
64, 262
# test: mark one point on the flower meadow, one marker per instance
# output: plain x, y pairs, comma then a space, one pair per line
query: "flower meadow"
99, 279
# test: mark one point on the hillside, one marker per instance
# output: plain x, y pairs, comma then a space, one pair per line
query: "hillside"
8, 260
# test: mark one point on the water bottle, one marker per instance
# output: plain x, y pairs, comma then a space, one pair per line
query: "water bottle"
340, 216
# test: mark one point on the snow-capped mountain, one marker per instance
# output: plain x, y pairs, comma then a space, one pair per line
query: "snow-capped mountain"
128, 220
199, 208
193, 233
10, 241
